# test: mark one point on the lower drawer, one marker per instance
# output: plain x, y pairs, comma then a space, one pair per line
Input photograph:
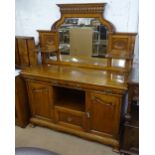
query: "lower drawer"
69, 118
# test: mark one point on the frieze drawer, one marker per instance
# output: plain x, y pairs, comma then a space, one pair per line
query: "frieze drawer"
69, 118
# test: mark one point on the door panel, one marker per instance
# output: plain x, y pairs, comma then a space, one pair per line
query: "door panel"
40, 99
23, 52
104, 112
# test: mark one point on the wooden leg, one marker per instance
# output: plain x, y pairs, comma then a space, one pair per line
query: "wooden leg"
116, 149
32, 125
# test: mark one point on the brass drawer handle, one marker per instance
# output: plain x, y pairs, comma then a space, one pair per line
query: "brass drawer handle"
40, 90
66, 84
108, 91
78, 86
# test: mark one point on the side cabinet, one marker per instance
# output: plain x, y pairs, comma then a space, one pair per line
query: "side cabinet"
104, 113
25, 52
22, 114
40, 99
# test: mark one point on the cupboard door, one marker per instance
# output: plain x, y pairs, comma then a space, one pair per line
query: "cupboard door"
23, 52
104, 113
32, 51
17, 58
21, 103
40, 98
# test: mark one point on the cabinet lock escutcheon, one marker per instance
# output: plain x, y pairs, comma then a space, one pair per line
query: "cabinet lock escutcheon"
88, 114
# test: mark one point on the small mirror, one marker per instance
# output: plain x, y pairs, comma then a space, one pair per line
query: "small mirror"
82, 39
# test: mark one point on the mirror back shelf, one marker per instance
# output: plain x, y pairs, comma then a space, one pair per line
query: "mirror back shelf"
82, 37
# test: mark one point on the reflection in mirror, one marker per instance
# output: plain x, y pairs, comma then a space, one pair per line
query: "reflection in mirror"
117, 78
83, 38
118, 63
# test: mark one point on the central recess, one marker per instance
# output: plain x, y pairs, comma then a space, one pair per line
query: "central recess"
69, 98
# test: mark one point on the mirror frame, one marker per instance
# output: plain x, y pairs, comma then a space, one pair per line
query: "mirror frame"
94, 10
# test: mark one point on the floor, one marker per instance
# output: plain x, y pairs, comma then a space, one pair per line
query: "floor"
62, 143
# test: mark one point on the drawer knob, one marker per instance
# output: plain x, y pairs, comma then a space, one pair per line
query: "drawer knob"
69, 119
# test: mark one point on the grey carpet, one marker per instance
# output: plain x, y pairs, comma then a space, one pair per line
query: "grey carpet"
62, 143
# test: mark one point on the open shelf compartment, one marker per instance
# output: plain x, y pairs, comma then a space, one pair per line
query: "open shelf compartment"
69, 98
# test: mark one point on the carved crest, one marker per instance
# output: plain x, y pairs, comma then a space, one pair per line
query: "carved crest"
81, 8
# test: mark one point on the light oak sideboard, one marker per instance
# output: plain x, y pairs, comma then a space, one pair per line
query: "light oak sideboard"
80, 101
76, 93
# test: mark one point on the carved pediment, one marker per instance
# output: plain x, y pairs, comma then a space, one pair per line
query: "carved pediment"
81, 8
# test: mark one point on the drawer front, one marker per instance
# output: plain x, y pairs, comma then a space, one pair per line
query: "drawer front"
69, 118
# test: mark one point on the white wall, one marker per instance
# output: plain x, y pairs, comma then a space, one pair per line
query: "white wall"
41, 14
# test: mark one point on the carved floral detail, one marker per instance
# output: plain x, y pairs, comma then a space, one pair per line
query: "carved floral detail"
120, 44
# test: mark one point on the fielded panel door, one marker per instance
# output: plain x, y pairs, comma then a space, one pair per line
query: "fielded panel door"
103, 113
40, 98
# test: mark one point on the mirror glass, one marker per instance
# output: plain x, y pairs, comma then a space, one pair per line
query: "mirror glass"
83, 40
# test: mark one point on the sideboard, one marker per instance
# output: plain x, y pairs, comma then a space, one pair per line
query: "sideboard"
80, 88
84, 102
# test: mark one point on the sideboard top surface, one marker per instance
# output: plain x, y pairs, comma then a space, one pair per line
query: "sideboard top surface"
79, 75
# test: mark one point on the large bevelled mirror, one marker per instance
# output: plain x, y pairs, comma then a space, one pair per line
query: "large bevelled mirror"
83, 37
83, 40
